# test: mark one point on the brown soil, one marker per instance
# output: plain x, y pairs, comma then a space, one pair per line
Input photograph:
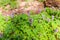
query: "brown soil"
26, 7
54, 3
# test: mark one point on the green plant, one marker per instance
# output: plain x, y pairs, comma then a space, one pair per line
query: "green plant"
42, 26
12, 3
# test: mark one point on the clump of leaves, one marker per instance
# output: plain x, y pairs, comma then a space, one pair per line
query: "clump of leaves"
42, 26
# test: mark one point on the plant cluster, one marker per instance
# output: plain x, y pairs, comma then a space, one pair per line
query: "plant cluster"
12, 3
42, 26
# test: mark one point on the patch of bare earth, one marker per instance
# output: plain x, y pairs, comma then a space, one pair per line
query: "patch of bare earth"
54, 3
24, 7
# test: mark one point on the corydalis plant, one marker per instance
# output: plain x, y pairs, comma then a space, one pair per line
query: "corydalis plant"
30, 21
56, 31
52, 17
